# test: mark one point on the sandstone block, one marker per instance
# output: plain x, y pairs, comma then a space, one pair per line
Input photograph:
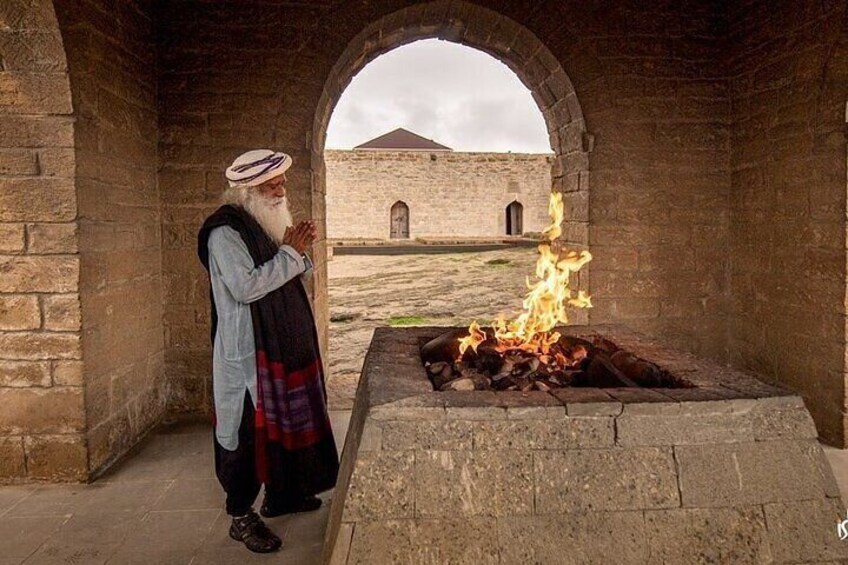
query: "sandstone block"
716, 535
38, 273
24, 373
35, 131
684, 429
41, 411
587, 402
12, 464
565, 433
52, 238
475, 412
19, 312
35, 93
535, 412
574, 537
806, 530
62, 312
465, 541
37, 200
427, 434
782, 417
57, 458
12, 238
473, 483
381, 487
748, 473
26, 16
67, 373
392, 412
604, 479
57, 162
33, 50
18, 162
36, 346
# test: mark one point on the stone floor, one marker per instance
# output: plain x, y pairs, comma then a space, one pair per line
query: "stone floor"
161, 506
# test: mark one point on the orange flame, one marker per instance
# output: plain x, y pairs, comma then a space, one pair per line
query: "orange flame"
475, 337
548, 298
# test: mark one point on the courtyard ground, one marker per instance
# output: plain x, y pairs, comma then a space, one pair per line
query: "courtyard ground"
449, 289
163, 505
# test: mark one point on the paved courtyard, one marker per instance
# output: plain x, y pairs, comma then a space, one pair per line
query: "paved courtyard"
163, 505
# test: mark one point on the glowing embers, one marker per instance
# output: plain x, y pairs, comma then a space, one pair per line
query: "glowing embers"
569, 361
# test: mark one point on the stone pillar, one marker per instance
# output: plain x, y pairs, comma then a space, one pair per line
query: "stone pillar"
42, 422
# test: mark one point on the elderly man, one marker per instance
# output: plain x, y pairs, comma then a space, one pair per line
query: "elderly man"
271, 419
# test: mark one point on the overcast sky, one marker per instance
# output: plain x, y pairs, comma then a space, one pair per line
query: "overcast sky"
452, 94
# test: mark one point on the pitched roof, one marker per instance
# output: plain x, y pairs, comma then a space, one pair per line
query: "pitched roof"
402, 140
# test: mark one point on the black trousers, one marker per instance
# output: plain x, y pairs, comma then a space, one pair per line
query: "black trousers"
236, 470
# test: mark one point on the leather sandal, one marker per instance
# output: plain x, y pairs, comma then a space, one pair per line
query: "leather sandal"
308, 504
252, 531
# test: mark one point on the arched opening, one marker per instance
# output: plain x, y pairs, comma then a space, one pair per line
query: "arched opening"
564, 163
506, 40
399, 221
515, 218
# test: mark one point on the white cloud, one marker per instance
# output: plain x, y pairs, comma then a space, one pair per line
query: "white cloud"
455, 95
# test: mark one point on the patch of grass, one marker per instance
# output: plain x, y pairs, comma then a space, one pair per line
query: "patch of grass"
401, 321
498, 262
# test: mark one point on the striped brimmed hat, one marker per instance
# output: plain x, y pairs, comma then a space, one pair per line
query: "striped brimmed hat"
257, 166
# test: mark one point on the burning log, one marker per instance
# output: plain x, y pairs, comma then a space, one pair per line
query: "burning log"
570, 361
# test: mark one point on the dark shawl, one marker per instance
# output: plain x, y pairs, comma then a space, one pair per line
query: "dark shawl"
295, 450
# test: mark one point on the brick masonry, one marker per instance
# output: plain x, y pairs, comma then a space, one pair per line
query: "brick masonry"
42, 430
700, 149
503, 478
112, 65
788, 205
448, 194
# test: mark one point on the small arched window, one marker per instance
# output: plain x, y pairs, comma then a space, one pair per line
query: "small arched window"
514, 219
399, 226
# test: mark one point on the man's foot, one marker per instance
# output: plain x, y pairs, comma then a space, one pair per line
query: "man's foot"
252, 531
307, 504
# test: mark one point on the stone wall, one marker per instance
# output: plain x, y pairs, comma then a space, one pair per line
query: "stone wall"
647, 78
214, 104
787, 230
42, 420
699, 147
448, 194
112, 63
658, 209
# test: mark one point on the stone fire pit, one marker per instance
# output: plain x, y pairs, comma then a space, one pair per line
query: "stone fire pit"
728, 471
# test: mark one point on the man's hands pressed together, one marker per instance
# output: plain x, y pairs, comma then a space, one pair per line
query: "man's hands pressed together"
301, 236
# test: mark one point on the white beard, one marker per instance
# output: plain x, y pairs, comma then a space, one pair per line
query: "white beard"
272, 214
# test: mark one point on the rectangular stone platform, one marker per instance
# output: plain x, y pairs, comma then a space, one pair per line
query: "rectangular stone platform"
729, 471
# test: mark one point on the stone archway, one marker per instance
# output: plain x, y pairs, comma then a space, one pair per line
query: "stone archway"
43, 421
506, 40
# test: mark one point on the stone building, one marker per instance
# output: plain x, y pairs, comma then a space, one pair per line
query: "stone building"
699, 145
401, 186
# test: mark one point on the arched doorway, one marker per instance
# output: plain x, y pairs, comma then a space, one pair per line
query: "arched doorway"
399, 221
501, 37
515, 218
